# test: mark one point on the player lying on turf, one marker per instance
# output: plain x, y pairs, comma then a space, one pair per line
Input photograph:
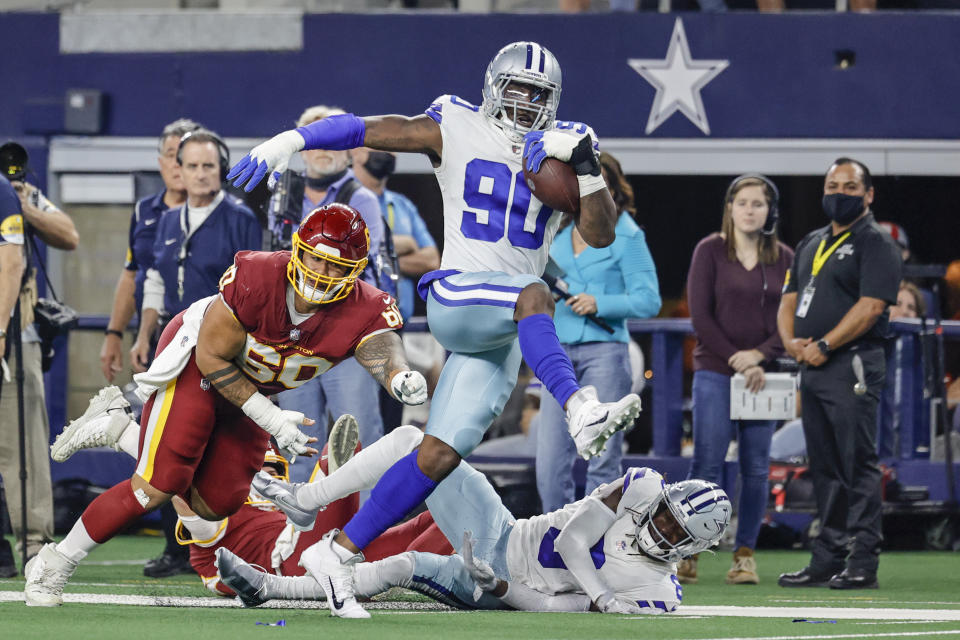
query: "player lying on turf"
257, 532
614, 551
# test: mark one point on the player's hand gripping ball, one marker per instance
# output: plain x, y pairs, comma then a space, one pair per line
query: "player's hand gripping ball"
550, 179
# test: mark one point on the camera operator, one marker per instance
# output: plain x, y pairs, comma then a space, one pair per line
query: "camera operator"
24, 209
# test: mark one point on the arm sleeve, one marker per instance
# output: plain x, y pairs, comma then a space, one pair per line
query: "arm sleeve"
701, 295
130, 263
523, 598
881, 269
790, 280
772, 347
642, 297
585, 527
153, 290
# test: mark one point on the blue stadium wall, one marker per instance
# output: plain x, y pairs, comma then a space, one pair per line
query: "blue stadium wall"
782, 81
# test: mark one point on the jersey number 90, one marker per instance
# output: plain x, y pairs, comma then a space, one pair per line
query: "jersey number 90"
492, 187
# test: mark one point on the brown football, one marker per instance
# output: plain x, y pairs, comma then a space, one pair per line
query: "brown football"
555, 185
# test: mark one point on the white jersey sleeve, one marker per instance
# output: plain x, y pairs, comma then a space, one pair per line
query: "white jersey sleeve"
532, 559
491, 220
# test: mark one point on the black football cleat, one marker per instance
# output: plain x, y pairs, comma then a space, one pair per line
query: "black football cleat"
854, 579
806, 577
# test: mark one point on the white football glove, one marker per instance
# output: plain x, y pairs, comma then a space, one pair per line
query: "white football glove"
283, 425
479, 570
560, 144
609, 603
268, 158
409, 387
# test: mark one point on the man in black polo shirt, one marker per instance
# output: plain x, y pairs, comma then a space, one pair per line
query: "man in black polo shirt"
833, 315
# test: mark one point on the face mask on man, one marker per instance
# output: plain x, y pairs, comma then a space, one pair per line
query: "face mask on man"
841, 208
380, 164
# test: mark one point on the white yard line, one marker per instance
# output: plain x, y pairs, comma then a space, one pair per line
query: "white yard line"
901, 634
826, 613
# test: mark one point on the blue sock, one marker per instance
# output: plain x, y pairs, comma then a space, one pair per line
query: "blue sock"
542, 351
398, 492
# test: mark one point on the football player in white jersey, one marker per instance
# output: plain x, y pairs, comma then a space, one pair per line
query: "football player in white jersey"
486, 304
614, 551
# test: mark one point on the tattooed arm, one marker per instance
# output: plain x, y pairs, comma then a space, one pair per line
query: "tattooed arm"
221, 340
384, 357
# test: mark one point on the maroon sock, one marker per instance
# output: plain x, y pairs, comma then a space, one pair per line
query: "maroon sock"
112, 512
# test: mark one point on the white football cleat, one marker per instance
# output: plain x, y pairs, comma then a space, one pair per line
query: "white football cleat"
593, 422
284, 496
100, 425
342, 442
47, 573
332, 567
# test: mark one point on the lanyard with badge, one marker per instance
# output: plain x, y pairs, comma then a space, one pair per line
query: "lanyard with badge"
819, 259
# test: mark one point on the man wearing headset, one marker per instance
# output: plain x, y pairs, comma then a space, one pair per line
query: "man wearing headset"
195, 243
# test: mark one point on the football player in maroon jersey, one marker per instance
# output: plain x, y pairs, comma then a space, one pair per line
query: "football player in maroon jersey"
280, 319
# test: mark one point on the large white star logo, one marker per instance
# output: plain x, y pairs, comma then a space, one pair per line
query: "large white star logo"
678, 80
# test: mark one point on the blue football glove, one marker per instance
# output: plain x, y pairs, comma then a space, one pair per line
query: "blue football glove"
533, 153
271, 156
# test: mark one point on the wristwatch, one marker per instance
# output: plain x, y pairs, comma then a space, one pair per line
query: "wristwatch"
824, 346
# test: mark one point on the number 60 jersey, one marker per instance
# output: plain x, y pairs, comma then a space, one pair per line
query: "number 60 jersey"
281, 355
491, 221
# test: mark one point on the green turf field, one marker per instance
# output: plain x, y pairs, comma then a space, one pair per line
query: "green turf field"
181, 608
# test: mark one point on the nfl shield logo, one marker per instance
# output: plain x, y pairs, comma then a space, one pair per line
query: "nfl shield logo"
204, 384
294, 334
183, 341
621, 545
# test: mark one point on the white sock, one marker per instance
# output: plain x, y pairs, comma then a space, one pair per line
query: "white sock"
129, 440
363, 470
292, 588
371, 578
78, 543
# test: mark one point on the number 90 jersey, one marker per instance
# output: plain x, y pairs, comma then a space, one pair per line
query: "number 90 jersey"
491, 220
280, 355
532, 559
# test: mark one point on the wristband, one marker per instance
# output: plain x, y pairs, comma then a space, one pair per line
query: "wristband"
590, 184
114, 332
259, 409
339, 132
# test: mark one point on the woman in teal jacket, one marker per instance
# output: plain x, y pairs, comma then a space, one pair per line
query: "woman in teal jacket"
614, 283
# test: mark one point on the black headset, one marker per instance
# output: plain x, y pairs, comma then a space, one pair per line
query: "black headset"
774, 212
222, 150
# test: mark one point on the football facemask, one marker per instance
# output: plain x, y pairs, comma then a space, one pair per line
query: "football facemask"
529, 64
688, 517
336, 234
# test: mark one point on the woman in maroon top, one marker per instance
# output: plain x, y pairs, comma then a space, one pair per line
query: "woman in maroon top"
734, 286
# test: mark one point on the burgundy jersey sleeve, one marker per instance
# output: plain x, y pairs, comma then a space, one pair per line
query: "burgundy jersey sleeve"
379, 310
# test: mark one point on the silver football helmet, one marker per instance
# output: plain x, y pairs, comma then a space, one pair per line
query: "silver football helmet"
702, 512
525, 63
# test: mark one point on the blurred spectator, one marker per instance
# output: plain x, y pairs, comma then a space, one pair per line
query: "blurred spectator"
194, 244
24, 211
613, 283
734, 289
910, 303
128, 296
348, 387
415, 248
899, 236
